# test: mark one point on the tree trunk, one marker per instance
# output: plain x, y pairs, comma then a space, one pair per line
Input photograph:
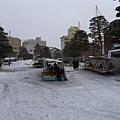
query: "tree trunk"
100, 39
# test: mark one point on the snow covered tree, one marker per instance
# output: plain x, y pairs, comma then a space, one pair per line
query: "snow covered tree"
5, 47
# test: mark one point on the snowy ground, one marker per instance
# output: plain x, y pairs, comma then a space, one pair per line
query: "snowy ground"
85, 96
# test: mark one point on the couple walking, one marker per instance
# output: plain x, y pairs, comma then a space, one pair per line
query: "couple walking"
75, 64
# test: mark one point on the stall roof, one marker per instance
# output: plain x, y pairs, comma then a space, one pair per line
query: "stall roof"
98, 58
52, 60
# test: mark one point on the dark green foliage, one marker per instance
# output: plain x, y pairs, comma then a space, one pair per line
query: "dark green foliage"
45, 52
41, 51
24, 54
81, 38
77, 45
118, 11
5, 47
98, 26
67, 51
113, 35
37, 50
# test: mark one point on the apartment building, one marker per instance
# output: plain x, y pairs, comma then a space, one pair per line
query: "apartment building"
15, 43
33, 42
67, 39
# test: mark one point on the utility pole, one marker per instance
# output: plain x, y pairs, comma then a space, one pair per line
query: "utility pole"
97, 11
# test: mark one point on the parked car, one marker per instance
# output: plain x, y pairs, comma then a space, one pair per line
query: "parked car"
5, 62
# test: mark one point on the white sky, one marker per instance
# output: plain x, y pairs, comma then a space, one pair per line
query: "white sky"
50, 19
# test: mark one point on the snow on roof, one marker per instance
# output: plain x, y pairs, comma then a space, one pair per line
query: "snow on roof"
114, 50
52, 60
10, 58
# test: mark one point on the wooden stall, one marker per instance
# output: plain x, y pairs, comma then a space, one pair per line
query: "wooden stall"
38, 63
54, 70
103, 65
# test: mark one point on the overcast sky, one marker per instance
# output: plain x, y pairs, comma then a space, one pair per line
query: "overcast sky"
50, 19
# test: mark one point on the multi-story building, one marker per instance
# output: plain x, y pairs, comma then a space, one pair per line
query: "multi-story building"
62, 42
15, 43
66, 39
34, 42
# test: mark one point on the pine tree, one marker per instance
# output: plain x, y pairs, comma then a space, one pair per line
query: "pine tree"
41, 51
5, 47
118, 11
98, 26
45, 52
24, 54
78, 44
82, 42
37, 50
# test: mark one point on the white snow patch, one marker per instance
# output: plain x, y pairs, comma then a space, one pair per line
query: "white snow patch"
85, 96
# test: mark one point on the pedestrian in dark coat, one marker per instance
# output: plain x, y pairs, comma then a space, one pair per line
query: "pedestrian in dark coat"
74, 64
77, 64
0, 63
58, 71
9, 62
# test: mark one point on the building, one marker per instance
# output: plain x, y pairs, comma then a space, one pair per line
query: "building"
55, 52
66, 39
30, 49
15, 43
31, 43
62, 42
34, 42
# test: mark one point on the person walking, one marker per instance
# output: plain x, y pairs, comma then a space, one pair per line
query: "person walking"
0, 63
9, 62
58, 71
77, 64
74, 64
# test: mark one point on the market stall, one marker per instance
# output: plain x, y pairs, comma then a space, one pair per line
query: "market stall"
38, 63
54, 70
103, 65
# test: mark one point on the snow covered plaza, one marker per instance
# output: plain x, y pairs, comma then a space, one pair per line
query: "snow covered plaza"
86, 95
